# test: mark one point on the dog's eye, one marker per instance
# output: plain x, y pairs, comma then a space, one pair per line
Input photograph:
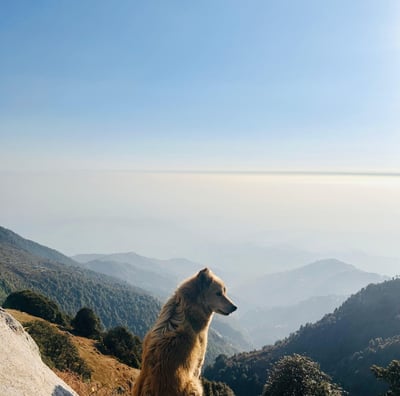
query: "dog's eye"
219, 294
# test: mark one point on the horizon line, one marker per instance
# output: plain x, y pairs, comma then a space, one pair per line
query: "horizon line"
272, 172
303, 172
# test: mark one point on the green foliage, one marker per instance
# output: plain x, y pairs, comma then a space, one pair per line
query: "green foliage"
299, 376
355, 371
390, 374
35, 304
86, 323
122, 344
57, 349
212, 388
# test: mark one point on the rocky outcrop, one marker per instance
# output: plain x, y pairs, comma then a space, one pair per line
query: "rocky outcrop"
22, 372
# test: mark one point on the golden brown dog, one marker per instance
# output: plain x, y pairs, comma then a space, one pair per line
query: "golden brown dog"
174, 349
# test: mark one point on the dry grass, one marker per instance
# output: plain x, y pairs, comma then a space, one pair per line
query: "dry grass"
23, 317
107, 372
89, 388
109, 377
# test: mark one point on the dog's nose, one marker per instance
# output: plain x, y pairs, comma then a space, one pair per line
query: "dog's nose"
234, 308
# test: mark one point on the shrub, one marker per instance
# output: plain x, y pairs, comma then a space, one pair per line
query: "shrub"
391, 375
35, 304
298, 375
213, 388
86, 323
122, 344
56, 349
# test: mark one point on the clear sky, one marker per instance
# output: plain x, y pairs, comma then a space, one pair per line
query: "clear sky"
90, 88
231, 85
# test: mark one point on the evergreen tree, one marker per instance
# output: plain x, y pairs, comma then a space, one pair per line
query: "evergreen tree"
35, 304
86, 323
122, 344
213, 388
390, 374
298, 375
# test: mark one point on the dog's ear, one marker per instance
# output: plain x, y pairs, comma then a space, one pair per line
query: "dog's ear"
204, 278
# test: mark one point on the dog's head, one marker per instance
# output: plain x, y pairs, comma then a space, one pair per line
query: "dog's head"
214, 293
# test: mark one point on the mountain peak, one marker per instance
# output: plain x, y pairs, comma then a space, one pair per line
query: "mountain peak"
329, 264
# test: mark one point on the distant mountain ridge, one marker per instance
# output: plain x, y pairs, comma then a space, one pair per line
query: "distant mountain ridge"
277, 304
320, 278
158, 276
270, 324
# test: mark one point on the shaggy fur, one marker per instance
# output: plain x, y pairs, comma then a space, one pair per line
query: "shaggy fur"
174, 349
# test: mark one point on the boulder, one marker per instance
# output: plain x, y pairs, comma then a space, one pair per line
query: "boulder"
22, 371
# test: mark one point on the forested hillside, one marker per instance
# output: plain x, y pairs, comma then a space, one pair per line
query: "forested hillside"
362, 332
10, 238
27, 265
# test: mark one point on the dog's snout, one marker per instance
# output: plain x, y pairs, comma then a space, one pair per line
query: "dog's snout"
234, 308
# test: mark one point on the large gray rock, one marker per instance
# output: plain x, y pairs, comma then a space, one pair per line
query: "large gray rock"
22, 372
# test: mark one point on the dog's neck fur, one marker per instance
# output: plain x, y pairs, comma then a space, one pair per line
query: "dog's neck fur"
177, 309
199, 319
197, 314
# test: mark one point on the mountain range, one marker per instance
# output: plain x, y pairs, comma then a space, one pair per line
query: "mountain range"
270, 307
320, 278
160, 277
267, 325
363, 331
275, 305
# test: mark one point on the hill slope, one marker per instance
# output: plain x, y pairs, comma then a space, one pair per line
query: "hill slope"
26, 265
334, 342
10, 238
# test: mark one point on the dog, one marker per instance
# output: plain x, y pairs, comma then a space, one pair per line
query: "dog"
174, 349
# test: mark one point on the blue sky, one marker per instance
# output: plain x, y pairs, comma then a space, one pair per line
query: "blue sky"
232, 85
207, 85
